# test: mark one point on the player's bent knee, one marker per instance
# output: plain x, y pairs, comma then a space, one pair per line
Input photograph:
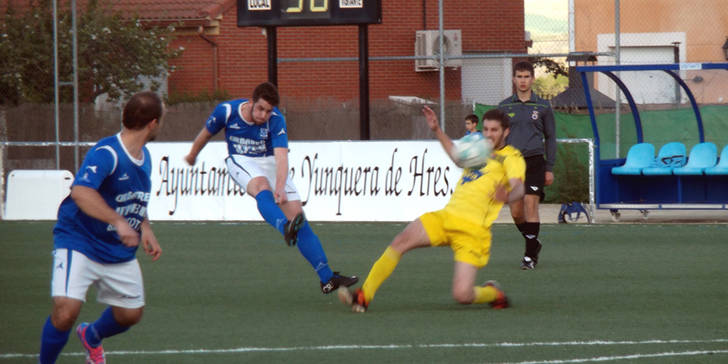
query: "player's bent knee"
128, 316
65, 312
463, 295
63, 320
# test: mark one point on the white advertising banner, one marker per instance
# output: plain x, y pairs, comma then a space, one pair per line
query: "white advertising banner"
337, 181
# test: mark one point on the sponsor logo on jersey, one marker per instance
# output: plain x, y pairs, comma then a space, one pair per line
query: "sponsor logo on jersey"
124, 177
234, 126
92, 168
283, 131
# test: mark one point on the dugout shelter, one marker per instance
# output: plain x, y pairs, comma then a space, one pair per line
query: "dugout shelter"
678, 163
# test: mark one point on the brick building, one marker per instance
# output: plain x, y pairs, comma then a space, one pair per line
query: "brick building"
219, 54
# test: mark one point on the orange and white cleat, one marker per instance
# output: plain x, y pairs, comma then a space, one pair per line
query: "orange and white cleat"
354, 299
501, 301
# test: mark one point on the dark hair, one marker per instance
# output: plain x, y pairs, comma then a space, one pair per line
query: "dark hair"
523, 66
141, 109
473, 118
268, 92
498, 115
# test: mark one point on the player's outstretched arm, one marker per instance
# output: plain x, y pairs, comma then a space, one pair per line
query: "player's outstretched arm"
434, 125
149, 241
92, 204
200, 141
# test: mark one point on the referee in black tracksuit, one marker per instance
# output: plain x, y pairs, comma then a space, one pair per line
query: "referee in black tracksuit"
533, 132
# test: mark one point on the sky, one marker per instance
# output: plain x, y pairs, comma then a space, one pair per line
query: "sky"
548, 23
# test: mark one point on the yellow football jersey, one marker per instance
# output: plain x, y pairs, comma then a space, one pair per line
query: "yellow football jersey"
474, 196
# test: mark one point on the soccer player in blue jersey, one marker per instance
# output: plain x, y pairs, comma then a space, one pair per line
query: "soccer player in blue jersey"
100, 225
257, 139
471, 124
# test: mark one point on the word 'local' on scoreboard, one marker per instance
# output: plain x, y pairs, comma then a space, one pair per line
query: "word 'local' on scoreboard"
308, 12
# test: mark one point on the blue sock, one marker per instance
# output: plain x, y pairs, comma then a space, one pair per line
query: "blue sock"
270, 211
52, 342
104, 327
310, 247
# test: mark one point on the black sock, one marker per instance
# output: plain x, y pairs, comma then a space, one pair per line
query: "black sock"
530, 233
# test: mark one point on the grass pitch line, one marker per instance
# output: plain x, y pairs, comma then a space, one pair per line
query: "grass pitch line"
424, 346
626, 357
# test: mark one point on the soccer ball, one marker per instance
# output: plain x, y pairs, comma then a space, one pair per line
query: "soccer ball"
472, 150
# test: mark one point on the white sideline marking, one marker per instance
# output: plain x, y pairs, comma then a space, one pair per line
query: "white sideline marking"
426, 346
626, 357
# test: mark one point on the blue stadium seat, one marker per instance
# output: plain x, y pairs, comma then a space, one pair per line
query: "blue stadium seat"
639, 156
722, 167
702, 156
670, 156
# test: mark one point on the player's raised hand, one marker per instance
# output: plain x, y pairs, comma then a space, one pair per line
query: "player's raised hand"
431, 118
128, 236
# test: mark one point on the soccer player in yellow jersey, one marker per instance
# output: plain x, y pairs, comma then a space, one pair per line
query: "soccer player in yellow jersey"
464, 223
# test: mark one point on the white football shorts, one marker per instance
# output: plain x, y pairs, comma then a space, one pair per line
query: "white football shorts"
242, 169
118, 284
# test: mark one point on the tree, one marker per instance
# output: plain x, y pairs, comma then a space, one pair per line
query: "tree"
116, 53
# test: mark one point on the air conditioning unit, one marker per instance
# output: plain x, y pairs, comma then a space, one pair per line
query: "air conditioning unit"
427, 43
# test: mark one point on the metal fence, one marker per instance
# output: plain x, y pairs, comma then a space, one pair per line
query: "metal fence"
597, 32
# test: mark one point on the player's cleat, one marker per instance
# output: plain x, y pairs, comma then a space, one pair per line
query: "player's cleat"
93, 355
291, 229
527, 263
355, 299
338, 281
501, 301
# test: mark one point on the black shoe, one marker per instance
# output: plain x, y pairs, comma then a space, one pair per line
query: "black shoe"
290, 230
527, 263
530, 259
338, 281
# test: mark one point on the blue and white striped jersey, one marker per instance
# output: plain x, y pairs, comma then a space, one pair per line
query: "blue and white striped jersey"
124, 183
245, 137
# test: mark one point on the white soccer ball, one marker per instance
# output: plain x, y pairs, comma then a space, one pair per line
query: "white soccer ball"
472, 150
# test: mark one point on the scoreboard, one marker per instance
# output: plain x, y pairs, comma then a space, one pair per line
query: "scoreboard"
308, 12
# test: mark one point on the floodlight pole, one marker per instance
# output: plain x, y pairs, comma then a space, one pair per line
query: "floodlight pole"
618, 96
271, 35
75, 84
55, 82
441, 27
363, 82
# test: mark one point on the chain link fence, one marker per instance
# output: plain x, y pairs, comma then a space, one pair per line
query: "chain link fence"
477, 70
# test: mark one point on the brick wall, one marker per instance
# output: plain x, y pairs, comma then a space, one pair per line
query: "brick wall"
487, 26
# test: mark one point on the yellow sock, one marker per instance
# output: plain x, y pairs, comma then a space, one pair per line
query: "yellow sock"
485, 294
381, 270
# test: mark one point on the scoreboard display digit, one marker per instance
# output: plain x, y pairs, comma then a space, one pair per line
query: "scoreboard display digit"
308, 12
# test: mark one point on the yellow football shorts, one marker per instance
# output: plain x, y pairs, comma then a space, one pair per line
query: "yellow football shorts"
470, 242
